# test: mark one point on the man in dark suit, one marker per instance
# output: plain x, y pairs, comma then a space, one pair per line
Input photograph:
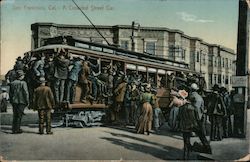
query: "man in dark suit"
43, 101
216, 110
19, 98
61, 74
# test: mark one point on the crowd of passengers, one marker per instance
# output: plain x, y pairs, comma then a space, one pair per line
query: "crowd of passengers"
133, 100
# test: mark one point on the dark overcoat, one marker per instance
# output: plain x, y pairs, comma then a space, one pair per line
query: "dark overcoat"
43, 98
19, 93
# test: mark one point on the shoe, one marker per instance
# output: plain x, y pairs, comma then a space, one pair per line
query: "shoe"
208, 150
105, 95
83, 101
19, 132
49, 133
14, 132
91, 97
41, 133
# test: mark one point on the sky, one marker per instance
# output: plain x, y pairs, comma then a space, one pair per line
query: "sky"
214, 21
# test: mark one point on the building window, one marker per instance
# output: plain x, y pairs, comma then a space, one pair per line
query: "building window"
215, 78
230, 64
210, 60
210, 78
226, 81
223, 62
171, 54
183, 54
219, 78
226, 62
215, 61
124, 44
150, 47
198, 57
204, 59
219, 62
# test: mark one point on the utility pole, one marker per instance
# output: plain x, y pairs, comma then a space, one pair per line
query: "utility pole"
200, 62
133, 34
242, 70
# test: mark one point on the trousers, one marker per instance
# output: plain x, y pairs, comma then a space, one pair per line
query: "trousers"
156, 117
59, 90
71, 91
17, 116
44, 116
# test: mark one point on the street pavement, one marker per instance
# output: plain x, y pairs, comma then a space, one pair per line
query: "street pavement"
108, 143
96, 143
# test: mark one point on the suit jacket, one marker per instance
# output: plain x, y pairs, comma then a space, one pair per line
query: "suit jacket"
216, 105
120, 92
198, 104
61, 68
19, 93
49, 70
84, 76
77, 67
43, 98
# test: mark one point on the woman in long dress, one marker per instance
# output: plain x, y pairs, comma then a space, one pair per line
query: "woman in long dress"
144, 124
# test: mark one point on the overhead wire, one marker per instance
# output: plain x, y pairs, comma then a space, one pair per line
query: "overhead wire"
91, 23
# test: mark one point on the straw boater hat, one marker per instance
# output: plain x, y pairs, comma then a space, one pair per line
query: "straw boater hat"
42, 80
147, 87
194, 86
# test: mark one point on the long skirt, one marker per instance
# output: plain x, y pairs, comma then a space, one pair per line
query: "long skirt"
173, 122
145, 120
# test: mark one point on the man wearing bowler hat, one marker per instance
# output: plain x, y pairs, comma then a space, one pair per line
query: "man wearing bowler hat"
43, 102
19, 98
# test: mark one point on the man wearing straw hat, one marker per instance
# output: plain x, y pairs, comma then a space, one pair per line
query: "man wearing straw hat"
44, 101
19, 98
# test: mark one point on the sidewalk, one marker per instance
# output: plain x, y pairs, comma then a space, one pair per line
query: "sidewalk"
230, 148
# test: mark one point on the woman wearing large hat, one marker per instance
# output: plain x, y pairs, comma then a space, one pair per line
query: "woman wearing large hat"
177, 100
144, 124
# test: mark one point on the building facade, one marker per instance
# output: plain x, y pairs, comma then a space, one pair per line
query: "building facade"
214, 62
